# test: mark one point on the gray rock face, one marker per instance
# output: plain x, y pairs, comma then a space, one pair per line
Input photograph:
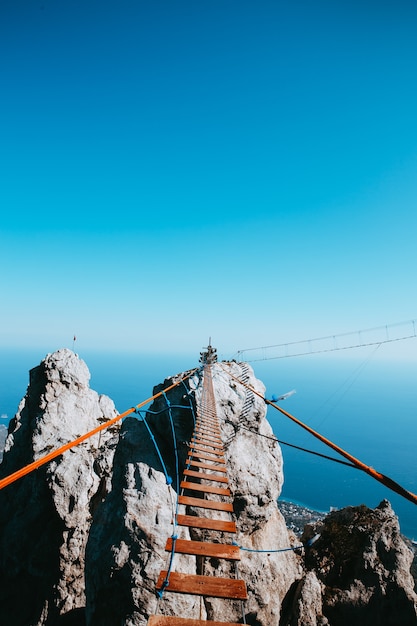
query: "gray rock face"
126, 547
364, 568
45, 517
82, 539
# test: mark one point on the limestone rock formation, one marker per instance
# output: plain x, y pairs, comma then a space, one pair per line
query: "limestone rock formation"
45, 517
82, 539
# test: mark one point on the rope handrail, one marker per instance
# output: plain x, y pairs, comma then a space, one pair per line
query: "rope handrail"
27, 469
385, 480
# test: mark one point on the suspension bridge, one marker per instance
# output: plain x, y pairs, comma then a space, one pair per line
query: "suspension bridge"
205, 470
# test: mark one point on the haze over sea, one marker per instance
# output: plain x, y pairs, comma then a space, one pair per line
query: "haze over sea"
365, 400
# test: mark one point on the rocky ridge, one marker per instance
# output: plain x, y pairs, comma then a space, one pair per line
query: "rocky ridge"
363, 567
82, 540
45, 518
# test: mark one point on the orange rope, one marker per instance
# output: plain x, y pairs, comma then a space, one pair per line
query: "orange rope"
385, 480
27, 469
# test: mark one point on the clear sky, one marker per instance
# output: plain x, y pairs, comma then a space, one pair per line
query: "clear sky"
174, 170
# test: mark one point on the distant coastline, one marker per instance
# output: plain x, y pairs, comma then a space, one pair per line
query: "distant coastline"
297, 515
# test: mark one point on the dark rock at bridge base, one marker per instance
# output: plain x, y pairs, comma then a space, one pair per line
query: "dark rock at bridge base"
363, 566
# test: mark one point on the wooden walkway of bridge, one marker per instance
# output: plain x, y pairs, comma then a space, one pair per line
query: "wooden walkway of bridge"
205, 454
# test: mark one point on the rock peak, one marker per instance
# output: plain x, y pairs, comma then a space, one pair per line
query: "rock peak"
82, 539
66, 367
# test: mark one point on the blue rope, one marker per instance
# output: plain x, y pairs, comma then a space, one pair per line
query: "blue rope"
188, 392
194, 420
280, 550
174, 406
174, 537
165, 582
167, 477
177, 465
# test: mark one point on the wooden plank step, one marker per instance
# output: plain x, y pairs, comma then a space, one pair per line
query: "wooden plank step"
208, 443
206, 504
215, 468
207, 437
207, 427
214, 432
212, 477
208, 423
221, 491
212, 439
206, 523
203, 548
167, 620
208, 457
212, 586
215, 451
210, 436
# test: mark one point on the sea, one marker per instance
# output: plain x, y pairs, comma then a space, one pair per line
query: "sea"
364, 401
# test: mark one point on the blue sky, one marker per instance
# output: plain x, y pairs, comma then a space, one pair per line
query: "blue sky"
173, 170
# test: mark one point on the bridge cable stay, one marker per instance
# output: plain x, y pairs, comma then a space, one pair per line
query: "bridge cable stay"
291, 445
168, 478
344, 341
27, 469
142, 416
174, 440
385, 480
188, 394
344, 388
205, 463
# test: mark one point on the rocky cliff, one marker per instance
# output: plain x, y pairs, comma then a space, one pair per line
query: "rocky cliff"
45, 517
363, 567
82, 539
